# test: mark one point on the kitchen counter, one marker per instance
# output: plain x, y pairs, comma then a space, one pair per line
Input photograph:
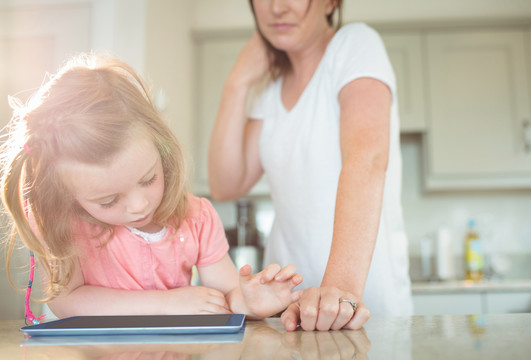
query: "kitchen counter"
417, 337
464, 286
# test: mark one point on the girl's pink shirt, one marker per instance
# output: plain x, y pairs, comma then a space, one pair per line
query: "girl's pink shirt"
129, 262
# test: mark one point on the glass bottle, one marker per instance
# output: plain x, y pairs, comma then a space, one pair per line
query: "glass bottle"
474, 261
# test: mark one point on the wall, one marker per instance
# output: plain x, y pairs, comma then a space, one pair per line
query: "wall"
214, 14
168, 59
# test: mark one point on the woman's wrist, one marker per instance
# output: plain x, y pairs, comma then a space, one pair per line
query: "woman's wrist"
237, 85
343, 285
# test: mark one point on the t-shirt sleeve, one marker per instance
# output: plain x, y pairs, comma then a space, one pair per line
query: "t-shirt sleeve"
360, 52
213, 244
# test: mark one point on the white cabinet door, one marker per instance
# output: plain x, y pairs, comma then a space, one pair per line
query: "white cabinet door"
454, 304
479, 105
503, 303
405, 53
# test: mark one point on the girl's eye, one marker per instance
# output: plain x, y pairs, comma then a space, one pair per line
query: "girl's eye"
150, 181
110, 203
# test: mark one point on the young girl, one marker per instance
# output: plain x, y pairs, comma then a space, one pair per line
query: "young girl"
94, 181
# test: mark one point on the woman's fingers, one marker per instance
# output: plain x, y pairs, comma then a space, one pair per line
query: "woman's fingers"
346, 311
330, 309
323, 309
309, 308
361, 316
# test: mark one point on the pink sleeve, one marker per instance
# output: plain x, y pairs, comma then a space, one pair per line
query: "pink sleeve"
213, 244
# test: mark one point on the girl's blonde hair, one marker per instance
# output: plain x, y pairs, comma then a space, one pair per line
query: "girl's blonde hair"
86, 113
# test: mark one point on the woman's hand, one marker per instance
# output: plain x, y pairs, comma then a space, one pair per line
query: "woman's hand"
252, 63
197, 300
321, 309
271, 290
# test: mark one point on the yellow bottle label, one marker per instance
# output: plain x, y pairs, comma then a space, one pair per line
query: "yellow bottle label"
474, 258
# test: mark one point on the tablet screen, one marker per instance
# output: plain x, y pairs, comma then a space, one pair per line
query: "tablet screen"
140, 321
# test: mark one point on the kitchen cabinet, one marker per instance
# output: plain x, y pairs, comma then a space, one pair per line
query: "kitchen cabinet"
452, 304
514, 302
465, 297
479, 109
404, 49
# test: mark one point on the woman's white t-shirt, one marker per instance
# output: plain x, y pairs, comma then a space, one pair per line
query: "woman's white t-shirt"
300, 153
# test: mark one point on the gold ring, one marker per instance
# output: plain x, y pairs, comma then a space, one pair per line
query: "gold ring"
351, 302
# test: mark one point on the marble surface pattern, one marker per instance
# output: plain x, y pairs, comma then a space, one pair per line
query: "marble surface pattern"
505, 336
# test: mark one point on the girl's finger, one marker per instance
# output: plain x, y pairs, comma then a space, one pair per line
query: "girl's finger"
246, 270
215, 309
290, 317
215, 300
286, 273
296, 295
269, 273
296, 280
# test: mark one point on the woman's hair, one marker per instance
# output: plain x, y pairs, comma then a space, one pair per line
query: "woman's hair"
88, 112
280, 63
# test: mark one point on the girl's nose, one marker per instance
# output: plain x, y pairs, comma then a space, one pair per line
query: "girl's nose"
137, 202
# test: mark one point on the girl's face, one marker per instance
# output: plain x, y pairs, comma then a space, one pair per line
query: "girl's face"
126, 191
292, 25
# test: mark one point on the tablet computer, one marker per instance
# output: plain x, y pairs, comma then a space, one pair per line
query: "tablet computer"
139, 325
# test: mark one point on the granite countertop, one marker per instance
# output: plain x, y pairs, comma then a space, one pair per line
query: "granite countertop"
466, 286
481, 337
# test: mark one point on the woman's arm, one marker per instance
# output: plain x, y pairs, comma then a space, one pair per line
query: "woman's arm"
365, 112
233, 159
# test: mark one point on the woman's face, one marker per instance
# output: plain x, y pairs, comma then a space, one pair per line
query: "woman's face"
292, 25
126, 191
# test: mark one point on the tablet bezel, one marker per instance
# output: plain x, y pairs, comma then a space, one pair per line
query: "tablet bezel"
233, 324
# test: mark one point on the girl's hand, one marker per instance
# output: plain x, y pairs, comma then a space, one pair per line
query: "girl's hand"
197, 300
269, 291
321, 309
252, 63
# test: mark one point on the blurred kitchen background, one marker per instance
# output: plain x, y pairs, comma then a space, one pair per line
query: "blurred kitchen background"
464, 86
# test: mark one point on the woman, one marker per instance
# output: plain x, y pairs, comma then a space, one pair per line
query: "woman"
325, 131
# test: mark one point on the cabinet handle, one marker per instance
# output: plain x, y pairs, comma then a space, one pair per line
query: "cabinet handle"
527, 135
